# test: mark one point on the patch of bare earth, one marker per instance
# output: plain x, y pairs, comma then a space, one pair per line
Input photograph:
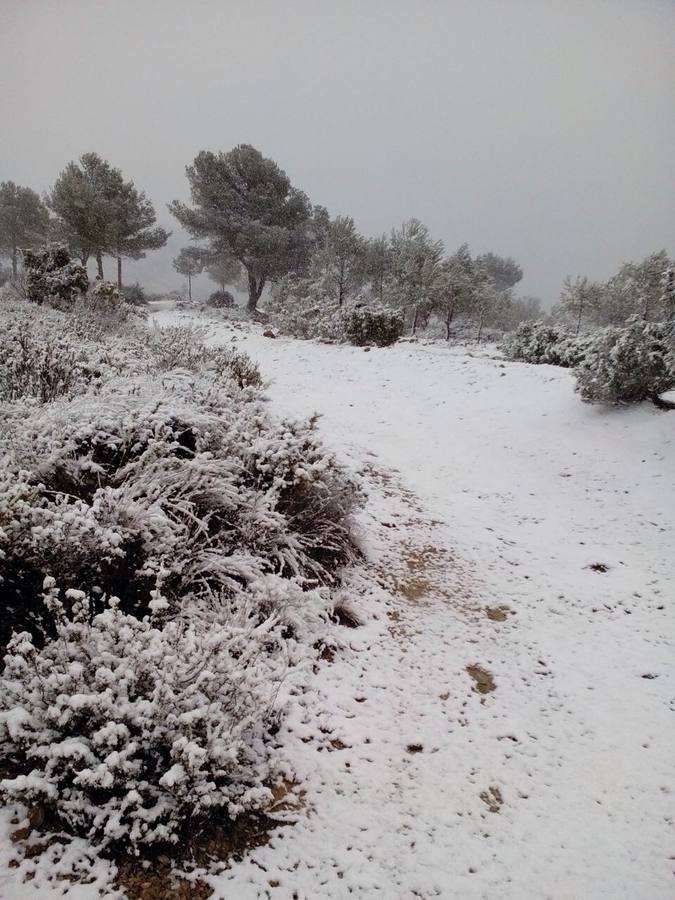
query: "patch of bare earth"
176, 872
492, 798
484, 683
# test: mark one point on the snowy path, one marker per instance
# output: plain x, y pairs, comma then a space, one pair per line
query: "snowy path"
532, 489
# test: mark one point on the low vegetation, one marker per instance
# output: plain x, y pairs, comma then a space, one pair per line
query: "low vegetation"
168, 553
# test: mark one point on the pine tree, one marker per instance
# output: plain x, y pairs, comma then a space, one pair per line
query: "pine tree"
243, 202
84, 200
189, 262
132, 229
24, 220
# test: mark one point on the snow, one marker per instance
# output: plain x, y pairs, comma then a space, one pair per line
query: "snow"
522, 489
490, 485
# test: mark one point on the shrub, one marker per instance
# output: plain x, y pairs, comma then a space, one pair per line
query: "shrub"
372, 324
538, 343
134, 733
170, 488
52, 276
221, 300
38, 365
182, 346
135, 295
306, 317
628, 364
168, 554
322, 319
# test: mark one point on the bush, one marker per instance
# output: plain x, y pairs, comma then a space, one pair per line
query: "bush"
221, 300
316, 317
52, 276
628, 364
538, 343
306, 317
135, 733
168, 553
372, 324
39, 365
181, 346
135, 295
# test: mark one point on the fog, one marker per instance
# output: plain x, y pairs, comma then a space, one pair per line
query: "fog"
541, 130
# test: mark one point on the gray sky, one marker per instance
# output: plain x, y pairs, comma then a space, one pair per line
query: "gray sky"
541, 129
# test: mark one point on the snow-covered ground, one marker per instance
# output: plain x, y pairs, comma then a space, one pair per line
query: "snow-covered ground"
492, 489
500, 488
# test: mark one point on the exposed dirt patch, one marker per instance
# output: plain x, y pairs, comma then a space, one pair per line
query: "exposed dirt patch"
160, 878
498, 613
414, 748
346, 617
599, 567
483, 680
492, 798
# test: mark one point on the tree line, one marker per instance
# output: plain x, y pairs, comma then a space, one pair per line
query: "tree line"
91, 208
251, 227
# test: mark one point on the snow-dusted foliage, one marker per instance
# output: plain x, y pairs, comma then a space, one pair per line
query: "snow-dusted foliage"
313, 315
131, 731
221, 300
539, 343
181, 346
193, 542
629, 363
304, 315
38, 365
164, 489
372, 324
52, 276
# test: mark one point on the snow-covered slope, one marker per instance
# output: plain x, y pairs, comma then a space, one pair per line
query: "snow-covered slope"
492, 485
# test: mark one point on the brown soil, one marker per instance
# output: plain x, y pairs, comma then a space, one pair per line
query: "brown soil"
492, 798
498, 613
483, 680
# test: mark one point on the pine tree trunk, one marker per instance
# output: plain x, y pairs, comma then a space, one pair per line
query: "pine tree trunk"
448, 320
255, 289
414, 323
189, 287
581, 309
99, 263
14, 265
119, 272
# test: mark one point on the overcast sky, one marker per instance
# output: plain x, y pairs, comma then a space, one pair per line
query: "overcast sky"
541, 129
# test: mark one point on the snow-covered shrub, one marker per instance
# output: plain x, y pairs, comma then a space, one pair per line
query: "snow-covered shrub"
39, 365
182, 346
171, 487
372, 324
133, 733
306, 317
317, 317
165, 484
135, 294
539, 343
108, 305
52, 276
221, 300
628, 364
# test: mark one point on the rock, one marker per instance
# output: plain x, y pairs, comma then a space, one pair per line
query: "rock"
268, 333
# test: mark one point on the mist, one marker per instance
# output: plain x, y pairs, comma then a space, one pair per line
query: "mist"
542, 131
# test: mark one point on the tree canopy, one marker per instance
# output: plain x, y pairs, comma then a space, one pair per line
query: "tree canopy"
244, 204
24, 220
99, 213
